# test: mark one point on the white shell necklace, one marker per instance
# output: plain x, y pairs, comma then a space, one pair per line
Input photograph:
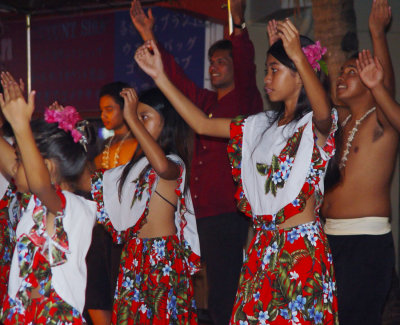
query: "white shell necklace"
352, 133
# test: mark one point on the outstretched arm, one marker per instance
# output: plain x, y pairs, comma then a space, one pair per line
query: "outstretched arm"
8, 158
19, 112
151, 63
372, 75
237, 11
379, 20
143, 23
315, 91
164, 167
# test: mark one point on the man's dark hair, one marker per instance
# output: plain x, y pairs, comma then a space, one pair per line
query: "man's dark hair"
220, 45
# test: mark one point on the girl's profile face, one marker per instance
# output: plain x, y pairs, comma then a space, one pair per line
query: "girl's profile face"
280, 82
111, 113
151, 119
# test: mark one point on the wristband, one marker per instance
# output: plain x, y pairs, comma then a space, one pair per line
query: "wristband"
241, 26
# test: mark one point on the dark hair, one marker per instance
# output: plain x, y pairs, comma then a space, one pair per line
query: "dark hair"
220, 45
353, 56
175, 137
113, 89
54, 143
332, 174
303, 105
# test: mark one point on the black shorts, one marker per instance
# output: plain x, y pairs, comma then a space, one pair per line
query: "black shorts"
363, 266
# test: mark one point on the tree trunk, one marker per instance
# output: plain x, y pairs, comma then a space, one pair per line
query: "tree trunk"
335, 27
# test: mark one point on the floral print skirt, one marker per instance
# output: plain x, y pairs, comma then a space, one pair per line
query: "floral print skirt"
154, 284
45, 310
287, 278
5, 257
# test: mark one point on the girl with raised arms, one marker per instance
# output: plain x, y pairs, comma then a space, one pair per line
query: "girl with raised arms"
146, 205
278, 159
47, 279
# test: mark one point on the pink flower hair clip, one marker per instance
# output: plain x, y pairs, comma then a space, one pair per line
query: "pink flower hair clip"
314, 53
67, 120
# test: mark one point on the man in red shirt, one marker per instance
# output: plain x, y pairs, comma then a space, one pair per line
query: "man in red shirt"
222, 230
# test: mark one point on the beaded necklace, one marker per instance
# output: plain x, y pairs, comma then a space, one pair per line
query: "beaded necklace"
352, 133
105, 163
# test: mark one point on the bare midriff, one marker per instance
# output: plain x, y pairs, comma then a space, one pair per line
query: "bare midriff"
161, 217
307, 215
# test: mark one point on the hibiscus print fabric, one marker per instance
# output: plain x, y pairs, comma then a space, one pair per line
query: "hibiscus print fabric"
287, 276
35, 261
154, 284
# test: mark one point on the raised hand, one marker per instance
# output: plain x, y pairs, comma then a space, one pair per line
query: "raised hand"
272, 31
7, 77
130, 104
149, 59
56, 106
13, 105
369, 69
290, 37
142, 22
379, 17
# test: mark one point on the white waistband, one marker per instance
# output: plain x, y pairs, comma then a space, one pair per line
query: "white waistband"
358, 226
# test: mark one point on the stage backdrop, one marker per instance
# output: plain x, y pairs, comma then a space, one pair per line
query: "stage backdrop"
73, 57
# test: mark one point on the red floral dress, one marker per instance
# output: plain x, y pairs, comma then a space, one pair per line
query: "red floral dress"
287, 276
154, 283
38, 257
10, 206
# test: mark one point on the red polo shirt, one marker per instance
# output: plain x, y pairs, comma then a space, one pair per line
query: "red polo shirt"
211, 182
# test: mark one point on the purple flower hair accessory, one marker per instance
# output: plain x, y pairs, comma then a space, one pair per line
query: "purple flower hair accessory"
314, 53
66, 119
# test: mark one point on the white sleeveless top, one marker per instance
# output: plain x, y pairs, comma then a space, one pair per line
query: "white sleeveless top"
68, 279
262, 141
124, 215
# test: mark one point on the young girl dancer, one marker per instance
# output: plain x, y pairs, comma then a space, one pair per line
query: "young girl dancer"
278, 160
48, 271
146, 206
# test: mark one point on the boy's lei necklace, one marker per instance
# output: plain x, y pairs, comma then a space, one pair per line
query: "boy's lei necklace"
352, 133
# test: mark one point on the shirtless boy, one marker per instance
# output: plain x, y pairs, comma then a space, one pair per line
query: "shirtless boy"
357, 209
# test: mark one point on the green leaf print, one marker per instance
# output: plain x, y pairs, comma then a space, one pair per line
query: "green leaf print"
262, 168
315, 292
158, 295
298, 255
278, 299
252, 320
283, 281
123, 314
286, 258
275, 163
273, 312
